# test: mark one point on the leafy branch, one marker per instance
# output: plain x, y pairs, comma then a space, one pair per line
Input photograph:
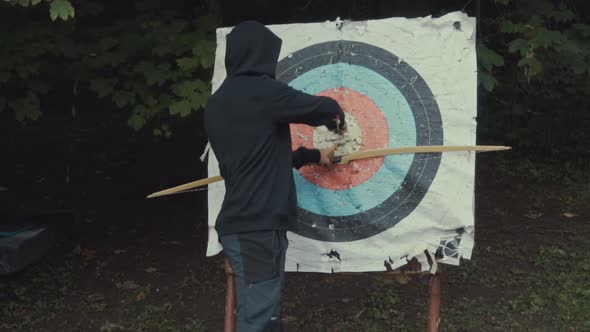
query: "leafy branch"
150, 65
57, 8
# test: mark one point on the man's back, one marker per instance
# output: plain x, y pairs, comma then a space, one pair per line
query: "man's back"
247, 121
254, 157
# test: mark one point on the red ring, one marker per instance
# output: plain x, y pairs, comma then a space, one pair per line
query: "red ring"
375, 135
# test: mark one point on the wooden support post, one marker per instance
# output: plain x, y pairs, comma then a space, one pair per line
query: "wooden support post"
434, 302
230, 299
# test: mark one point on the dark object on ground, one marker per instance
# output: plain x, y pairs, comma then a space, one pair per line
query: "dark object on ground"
25, 238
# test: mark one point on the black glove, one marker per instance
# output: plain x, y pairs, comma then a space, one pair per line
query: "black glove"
337, 125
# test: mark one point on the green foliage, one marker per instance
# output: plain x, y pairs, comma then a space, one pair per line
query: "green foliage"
28, 107
154, 65
546, 34
153, 61
533, 100
57, 8
488, 59
23, 64
62, 9
103, 87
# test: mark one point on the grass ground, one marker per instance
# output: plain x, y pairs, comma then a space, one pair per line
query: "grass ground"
140, 266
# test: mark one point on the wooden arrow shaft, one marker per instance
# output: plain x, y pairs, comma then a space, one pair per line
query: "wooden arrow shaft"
186, 186
416, 149
348, 158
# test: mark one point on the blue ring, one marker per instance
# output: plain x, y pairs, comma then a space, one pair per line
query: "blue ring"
428, 126
400, 120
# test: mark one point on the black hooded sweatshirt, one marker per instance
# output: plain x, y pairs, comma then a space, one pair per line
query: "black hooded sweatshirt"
247, 121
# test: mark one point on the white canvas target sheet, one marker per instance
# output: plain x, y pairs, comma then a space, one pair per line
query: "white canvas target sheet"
402, 82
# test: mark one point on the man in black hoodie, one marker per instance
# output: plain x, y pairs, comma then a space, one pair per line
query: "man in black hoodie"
247, 120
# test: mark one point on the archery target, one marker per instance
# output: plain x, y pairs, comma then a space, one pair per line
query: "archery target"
387, 103
401, 82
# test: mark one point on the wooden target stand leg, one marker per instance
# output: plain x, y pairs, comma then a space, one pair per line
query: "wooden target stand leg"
434, 291
230, 299
434, 299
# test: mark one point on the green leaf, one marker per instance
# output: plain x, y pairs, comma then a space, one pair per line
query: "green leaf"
24, 3
142, 91
488, 58
205, 50
164, 130
583, 29
562, 16
153, 74
519, 45
569, 47
188, 63
62, 9
27, 71
26, 109
507, 26
182, 108
488, 81
547, 38
35, 2
103, 87
167, 131
189, 88
580, 66
198, 100
165, 100
207, 62
123, 98
136, 122
138, 119
150, 101
533, 66
536, 21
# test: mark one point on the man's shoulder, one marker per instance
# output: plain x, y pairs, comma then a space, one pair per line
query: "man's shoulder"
249, 87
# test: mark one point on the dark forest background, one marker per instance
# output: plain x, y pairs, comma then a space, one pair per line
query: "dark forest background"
101, 103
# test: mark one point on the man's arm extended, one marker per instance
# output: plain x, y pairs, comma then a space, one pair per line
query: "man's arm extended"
293, 106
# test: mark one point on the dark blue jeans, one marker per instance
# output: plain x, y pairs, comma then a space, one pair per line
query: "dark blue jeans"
258, 262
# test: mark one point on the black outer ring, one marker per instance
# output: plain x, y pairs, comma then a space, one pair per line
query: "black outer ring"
428, 132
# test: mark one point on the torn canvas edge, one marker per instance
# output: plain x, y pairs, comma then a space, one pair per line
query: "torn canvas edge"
205, 152
452, 246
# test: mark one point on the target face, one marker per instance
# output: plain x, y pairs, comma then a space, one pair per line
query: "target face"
387, 104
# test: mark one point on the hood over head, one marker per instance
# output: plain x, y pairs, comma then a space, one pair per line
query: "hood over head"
252, 49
